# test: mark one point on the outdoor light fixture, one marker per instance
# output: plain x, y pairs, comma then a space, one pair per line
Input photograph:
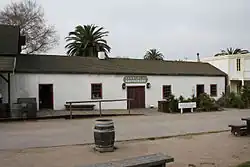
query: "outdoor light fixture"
148, 85
123, 86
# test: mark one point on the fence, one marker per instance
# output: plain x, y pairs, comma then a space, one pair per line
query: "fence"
70, 103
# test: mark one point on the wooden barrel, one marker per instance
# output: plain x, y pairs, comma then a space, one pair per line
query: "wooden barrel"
104, 135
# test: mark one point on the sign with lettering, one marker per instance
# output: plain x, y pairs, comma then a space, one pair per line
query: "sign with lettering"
187, 105
190, 105
135, 79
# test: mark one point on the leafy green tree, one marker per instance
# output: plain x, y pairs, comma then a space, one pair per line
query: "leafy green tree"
153, 54
87, 41
232, 51
29, 16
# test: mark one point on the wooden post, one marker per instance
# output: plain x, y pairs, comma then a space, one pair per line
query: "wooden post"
100, 108
9, 94
192, 109
128, 100
70, 109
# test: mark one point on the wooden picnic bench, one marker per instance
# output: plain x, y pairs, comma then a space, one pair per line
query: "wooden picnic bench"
238, 130
248, 124
153, 160
85, 107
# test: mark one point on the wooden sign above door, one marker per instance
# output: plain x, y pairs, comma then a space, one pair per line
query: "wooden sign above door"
135, 79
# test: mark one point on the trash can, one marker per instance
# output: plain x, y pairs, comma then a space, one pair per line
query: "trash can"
163, 106
16, 110
30, 106
31, 110
4, 111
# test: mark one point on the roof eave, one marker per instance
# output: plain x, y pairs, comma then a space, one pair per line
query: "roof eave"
117, 73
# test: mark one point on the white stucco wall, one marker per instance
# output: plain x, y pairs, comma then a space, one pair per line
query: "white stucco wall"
222, 64
75, 87
228, 64
247, 68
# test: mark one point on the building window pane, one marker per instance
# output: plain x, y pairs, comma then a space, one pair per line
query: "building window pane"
238, 64
213, 90
96, 91
166, 91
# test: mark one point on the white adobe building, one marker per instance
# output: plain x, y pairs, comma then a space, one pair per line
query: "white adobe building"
237, 67
53, 80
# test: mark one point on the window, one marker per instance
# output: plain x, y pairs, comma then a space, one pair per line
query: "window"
213, 90
96, 91
166, 91
238, 64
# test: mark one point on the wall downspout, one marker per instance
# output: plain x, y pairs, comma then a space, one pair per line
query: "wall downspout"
227, 86
14, 66
9, 86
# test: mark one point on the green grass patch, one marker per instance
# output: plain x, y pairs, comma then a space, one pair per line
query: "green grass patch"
245, 164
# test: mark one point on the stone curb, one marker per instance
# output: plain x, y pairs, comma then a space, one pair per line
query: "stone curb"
128, 140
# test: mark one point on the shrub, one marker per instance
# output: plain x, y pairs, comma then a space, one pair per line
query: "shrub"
173, 104
234, 100
245, 164
245, 96
181, 99
206, 103
222, 101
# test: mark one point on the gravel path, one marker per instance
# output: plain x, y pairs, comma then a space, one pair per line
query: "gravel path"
69, 132
219, 149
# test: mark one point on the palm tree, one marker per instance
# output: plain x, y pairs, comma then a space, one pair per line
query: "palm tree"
153, 54
232, 51
87, 41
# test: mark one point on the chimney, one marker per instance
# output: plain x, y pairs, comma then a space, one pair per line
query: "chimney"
198, 57
101, 55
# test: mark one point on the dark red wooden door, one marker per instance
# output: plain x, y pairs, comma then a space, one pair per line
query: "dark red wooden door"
137, 93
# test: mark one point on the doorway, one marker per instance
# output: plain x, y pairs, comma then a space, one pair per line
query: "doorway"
46, 100
199, 90
137, 93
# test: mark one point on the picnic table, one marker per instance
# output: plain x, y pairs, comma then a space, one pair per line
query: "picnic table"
248, 124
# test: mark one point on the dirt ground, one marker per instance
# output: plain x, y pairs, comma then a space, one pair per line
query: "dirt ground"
219, 149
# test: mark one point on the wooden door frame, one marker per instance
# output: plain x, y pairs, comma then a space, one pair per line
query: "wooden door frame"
197, 89
50, 84
136, 86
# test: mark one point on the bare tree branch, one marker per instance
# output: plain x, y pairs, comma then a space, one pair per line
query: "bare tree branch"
29, 16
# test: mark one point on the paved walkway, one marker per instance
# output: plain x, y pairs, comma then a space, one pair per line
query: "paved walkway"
67, 132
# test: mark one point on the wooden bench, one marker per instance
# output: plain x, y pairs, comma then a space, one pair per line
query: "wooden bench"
238, 130
85, 107
153, 160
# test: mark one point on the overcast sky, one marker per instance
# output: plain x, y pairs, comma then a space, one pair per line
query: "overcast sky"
178, 28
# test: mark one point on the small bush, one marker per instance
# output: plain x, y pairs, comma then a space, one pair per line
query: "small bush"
181, 99
222, 101
206, 103
233, 100
173, 104
237, 102
245, 96
245, 164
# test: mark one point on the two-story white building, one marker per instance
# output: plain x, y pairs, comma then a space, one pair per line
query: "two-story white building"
237, 67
